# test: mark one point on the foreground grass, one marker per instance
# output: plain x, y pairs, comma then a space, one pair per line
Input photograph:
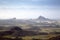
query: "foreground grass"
44, 37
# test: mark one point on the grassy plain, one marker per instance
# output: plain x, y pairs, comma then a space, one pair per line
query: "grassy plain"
44, 37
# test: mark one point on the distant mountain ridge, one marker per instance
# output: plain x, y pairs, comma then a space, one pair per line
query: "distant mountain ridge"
15, 21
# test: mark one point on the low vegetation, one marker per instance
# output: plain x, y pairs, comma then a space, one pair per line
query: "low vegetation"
16, 33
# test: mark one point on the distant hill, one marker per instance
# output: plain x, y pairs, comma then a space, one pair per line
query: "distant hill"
43, 18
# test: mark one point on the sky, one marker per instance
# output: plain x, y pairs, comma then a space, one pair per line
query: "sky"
27, 9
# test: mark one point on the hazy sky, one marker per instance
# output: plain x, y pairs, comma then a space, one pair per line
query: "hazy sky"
22, 9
